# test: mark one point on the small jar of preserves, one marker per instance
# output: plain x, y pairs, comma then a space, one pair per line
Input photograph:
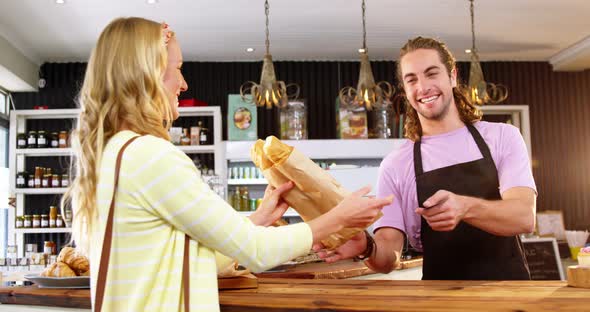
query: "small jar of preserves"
59, 221
54, 140
36, 221
27, 221
19, 222
31, 181
46, 180
55, 180
32, 139
21, 179
65, 180
63, 139
49, 248
39, 171
21, 140
44, 221
52, 216
41, 139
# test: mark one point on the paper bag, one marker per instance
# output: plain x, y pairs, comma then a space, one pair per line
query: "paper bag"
315, 191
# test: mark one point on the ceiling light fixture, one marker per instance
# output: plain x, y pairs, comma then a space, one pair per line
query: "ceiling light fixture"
270, 90
467, 51
60, 1
152, 1
250, 50
481, 92
367, 93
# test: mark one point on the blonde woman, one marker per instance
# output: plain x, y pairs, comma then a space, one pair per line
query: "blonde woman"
131, 89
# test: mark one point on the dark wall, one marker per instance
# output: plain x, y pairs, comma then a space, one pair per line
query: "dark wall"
559, 107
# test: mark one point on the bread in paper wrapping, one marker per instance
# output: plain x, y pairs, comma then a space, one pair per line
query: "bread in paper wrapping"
315, 191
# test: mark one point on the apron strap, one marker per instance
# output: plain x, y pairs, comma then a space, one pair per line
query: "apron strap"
481, 144
418, 170
108, 239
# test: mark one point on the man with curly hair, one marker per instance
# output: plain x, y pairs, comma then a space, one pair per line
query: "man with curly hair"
463, 188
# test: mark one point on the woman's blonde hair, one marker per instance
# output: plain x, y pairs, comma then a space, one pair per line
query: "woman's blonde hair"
123, 85
468, 112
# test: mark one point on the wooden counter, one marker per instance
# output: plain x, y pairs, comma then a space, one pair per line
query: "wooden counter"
374, 295
276, 294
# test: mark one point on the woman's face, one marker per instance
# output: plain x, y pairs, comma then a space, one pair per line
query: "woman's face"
173, 79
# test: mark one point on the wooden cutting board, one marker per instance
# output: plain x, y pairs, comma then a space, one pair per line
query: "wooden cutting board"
239, 282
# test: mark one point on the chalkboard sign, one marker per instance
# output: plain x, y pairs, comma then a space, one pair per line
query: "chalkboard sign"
542, 256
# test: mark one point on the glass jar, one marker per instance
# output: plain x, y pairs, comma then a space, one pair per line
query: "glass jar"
31, 181
27, 221
54, 140
65, 180
293, 121
36, 221
63, 139
46, 180
68, 216
59, 222
41, 139
382, 120
32, 139
44, 221
21, 140
55, 180
52, 216
38, 176
21, 179
49, 248
19, 222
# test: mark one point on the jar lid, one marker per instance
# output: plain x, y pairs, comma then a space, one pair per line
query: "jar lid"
32, 131
41, 131
35, 215
44, 215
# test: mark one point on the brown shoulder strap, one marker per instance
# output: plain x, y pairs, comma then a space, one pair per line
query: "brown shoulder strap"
108, 239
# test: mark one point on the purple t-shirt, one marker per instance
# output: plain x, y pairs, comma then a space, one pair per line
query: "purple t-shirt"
396, 173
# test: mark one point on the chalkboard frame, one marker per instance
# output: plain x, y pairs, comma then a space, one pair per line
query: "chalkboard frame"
553, 241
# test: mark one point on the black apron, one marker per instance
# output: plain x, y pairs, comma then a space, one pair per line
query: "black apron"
467, 253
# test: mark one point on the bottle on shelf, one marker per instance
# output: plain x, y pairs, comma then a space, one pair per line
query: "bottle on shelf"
202, 134
21, 179
32, 139
63, 139
245, 199
53, 216
21, 140
41, 139
195, 135
236, 199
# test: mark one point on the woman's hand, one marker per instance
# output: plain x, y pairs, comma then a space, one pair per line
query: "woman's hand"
354, 211
273, 206
358, 211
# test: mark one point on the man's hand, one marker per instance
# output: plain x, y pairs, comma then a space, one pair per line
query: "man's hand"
444, 210
354, 247
272, 207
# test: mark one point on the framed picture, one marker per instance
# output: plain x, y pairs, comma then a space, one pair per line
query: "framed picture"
550, 223
241, 119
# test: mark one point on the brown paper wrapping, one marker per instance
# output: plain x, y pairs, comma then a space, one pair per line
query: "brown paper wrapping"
315, 191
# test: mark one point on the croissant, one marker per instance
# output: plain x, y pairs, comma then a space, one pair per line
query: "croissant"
58, 269
77, 262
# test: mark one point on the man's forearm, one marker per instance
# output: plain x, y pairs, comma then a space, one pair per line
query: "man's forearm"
506, 217
387, 254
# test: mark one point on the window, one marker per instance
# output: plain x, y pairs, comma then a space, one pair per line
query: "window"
4, 191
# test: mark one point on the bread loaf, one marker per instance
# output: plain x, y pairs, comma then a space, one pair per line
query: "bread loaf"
75, 261
58, 269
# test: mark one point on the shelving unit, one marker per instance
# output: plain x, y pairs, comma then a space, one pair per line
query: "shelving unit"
17, 160
17, 163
